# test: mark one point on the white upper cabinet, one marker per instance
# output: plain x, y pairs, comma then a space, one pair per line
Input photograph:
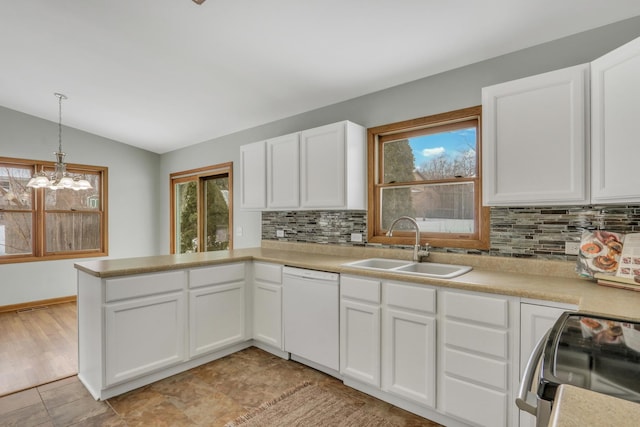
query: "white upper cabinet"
332, 167
615, 107
320, 168
283, 176
535, 140
253, 189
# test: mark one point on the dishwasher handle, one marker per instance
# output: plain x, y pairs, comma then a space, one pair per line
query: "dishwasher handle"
302, 273
527, 400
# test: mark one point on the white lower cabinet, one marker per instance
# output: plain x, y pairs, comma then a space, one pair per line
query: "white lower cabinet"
360, 329
449, 355
267, 304
536, 318
409, 342
476, 348
137, 329
216, 308
143, 335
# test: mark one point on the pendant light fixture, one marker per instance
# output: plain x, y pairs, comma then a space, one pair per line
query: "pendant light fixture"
60, 178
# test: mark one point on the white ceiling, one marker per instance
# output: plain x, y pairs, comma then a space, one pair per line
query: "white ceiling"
165, 74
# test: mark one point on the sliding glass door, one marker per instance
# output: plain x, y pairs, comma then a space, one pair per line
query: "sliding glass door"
201, 210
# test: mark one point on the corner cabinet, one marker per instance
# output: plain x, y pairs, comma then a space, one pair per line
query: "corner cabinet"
319, 168
535, 140
615, 107
253, 189
283, 172
267, 305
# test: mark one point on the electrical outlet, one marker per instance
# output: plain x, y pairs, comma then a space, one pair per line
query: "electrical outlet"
571, 248
279, 233
356, 237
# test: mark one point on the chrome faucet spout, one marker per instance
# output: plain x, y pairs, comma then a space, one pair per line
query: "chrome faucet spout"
417, 251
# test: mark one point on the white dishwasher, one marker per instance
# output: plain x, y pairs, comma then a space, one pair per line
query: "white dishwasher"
311, 313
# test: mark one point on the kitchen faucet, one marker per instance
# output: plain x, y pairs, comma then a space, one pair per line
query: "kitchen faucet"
417, 251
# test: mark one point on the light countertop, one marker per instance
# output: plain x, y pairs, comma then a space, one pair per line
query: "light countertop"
578, 407
535, 279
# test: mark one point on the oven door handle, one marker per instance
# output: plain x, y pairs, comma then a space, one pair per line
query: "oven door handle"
527, 400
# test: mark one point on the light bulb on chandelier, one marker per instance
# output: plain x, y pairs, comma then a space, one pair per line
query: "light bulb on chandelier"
60, 178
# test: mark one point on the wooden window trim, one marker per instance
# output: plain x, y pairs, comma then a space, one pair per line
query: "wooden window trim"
38, 214
376, 136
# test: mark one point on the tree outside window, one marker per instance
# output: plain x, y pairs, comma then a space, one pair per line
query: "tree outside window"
201, 210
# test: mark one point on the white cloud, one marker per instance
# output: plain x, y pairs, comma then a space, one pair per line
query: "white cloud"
436, 151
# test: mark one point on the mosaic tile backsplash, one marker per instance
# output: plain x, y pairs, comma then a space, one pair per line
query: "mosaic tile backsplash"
525, 232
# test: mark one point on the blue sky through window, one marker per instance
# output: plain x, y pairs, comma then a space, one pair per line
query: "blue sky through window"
451, 144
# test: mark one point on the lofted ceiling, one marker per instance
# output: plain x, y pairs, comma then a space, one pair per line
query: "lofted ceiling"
165, 74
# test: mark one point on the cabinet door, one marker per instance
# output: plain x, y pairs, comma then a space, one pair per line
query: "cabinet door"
535, 321
216, 317
360, 341
323, 167
615, 89
143, 335
253, 188
283, 177
535, 140
267, 313
408, 356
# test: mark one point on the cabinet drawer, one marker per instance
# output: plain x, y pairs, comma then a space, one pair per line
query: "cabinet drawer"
477, 368
216, 275
142, 285
478, 405
411, 297
267, 272
362, 289
477, 308
476, 338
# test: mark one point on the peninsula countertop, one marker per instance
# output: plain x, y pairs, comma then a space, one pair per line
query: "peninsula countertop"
535, 279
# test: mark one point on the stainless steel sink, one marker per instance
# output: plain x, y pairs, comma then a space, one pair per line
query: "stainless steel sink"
431, 269
379, 263
425, 269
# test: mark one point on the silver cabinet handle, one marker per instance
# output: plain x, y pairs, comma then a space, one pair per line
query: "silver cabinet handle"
526, 400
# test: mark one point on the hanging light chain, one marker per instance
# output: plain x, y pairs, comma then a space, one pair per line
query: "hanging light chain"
60, 98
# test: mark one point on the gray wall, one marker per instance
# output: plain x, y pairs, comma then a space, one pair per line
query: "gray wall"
436, 94
132, 207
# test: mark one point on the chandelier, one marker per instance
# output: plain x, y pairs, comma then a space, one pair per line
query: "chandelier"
59, 178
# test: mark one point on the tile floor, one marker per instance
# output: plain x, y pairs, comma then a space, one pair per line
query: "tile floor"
209, 395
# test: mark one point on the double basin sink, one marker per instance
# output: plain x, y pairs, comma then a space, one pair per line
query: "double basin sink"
426, 269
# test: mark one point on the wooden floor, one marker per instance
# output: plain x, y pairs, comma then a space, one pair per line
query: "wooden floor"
37, 346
